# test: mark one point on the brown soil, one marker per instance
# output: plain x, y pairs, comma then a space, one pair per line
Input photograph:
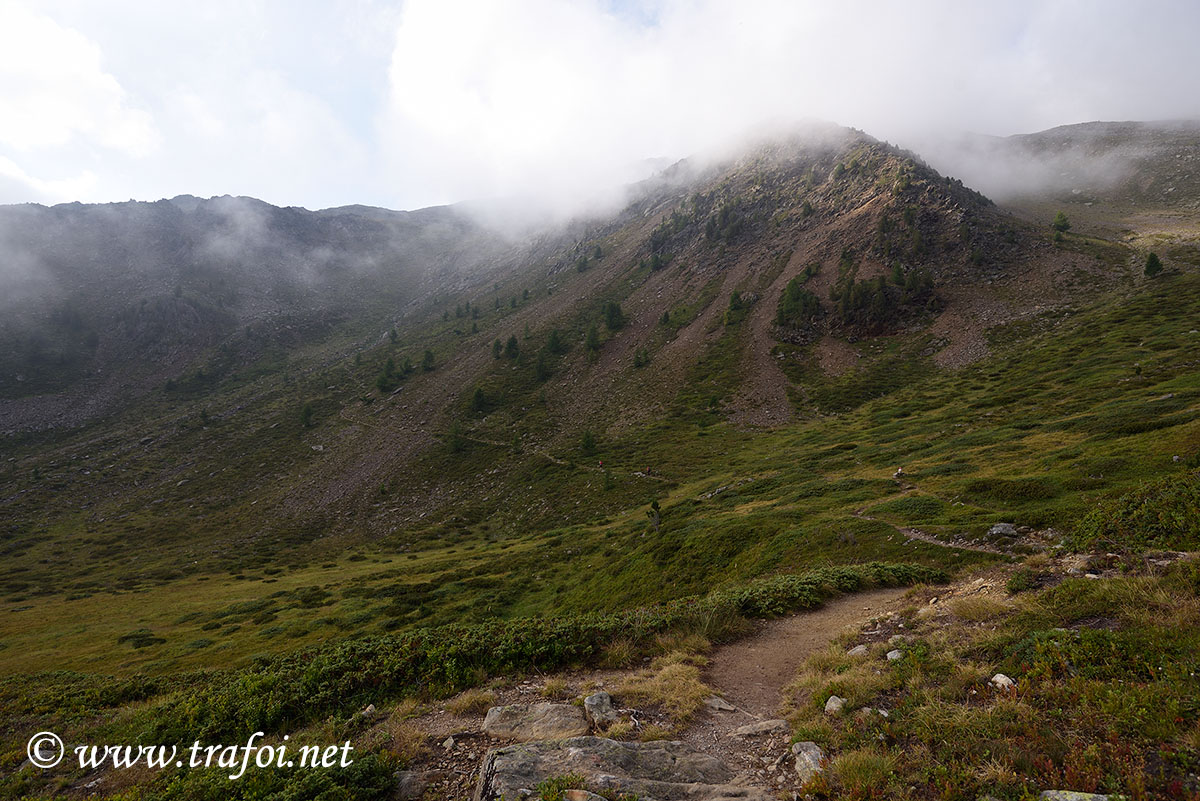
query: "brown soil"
751, 673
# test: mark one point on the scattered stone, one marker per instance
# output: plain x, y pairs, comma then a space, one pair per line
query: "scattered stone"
599, 709
895, 655
858, 650
657, 769
369, 712
834, 705
1070, 795
1002, 530
719, 704
883, 713
809, 757
448, 743
1002, 682
762, 727
537, 722
1091, 575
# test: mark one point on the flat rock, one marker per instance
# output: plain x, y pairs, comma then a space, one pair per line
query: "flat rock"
858, 650
762, 727
536, 722
660, 770
719, 704
894, 655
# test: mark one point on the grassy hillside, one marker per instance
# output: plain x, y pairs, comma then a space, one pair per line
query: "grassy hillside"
819, 355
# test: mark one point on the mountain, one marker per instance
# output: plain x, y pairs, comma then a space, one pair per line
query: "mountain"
284, 442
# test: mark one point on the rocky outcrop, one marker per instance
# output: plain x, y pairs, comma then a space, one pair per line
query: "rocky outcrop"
536, 722
654, 771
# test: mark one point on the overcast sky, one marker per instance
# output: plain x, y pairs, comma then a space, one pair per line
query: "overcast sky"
409, 104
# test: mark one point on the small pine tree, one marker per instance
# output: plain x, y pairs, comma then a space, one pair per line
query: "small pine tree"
654, 514
427, 361
614, 318
1061, 223
511, 348
479, 400
641, 358
598, 253
393, 336
1153, 265
541, 368
497, 349
306, 415
666, 318
593, 339
587, 443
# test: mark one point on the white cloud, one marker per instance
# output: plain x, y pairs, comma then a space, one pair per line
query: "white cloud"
56, 90
426, 101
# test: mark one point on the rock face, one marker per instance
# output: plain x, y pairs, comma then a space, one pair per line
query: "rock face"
599, 709
536, 722
658, 771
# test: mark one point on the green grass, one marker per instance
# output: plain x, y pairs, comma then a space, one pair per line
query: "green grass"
1105, 699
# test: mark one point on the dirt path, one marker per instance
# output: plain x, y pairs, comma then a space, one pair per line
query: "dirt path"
751, 672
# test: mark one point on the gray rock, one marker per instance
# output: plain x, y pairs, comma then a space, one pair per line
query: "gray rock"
894, 655
719, 704
1070, 795
762, 727
448, 743
896, 639
536, 722
858, 650
809, 757
599, 709
667, 771
834, 705
1002, 530
410, 785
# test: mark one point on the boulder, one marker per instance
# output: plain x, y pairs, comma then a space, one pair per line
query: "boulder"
665, 771
599, 709
809, 757
858, 650
1002, 530
536, 722
834, 705
762, 727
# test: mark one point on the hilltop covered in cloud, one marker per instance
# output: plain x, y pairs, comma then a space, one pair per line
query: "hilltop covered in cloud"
426, 102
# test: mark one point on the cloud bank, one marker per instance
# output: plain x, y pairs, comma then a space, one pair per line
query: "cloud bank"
434, 101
